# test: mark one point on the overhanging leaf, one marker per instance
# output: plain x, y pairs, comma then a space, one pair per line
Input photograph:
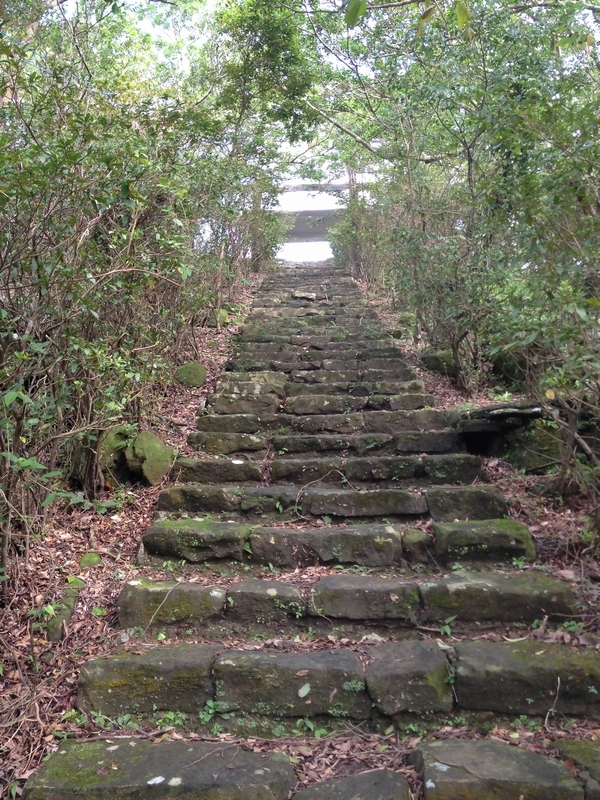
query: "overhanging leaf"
463, 15
424, 18
354, 11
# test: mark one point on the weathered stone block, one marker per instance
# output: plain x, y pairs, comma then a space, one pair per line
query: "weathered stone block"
348, 503
175, 678
379, 784
417, 546
194, 498
409, 676
292, 685
132, 769
217, 470
225, 443
494, 538
324, 404
264, 499
265, 403
145, 602
451, 468
363, 597
447, 504
473, 596
478, 770
370, 545
149, 458
527, 678
196, 540
263, 601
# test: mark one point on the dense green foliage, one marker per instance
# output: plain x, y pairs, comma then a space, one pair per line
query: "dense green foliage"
479, 122
135, 190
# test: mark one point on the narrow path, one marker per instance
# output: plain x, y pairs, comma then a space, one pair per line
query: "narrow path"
353, 536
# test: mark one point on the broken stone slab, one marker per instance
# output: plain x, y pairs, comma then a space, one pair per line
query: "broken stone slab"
226, 443
369, 545
173, 678
586, 756
364, 597
196, 498
528, 678
262, 601
515, 597
477, 770
217, 470
292, 684
192, 374
144, 602
196, 540
447, 504
132, 768
409, 676
483, 539
378, 784
348, 503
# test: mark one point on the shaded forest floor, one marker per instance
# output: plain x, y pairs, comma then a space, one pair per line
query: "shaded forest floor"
39, 679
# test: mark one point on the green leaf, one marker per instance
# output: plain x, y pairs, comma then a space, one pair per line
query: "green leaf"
354, 11
425, 17
75, 582
463, 15
98, 611
304, 690
89, 560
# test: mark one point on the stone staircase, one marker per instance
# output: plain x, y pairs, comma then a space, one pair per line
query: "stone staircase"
348, 536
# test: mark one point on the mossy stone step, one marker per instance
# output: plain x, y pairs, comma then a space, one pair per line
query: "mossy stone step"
280, 685
263, 403
203, 540
466, 596
482, 539
220, 470
379, 470
134, 768
444, 441
178, 677
528, 678
477, 770
360, 389
228, 443
378, 784
475, 502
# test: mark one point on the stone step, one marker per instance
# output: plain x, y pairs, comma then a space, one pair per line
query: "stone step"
442, 503
394, 679
196, 541
133, 768
375, 470
464, 596
409, 442
340, 404
360, 389
391, 422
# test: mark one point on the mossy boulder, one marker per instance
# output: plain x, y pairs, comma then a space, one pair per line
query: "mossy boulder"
193, 375
148, 457
440, 361
111, 452
63, 612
